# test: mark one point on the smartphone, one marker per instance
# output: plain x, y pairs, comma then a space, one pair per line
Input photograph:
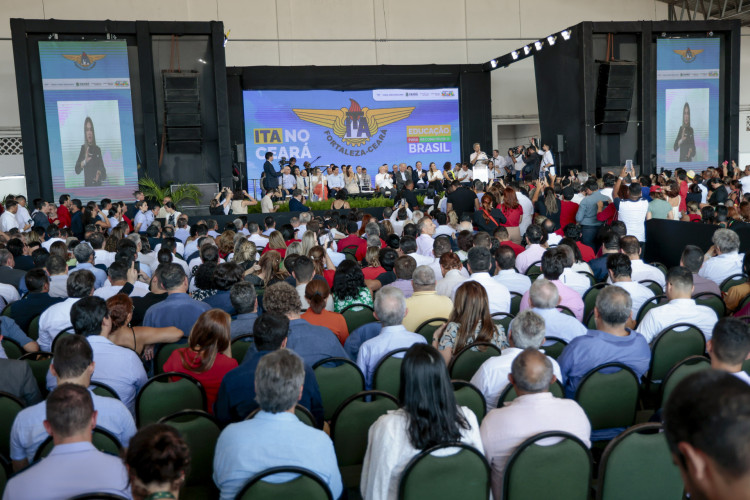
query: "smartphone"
629, 165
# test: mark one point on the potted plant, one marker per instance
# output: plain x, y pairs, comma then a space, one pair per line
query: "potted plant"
152, 190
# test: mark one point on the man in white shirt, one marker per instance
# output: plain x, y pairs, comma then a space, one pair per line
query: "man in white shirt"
22, 215
527, 331
8, 220
534, 411
744, 181
528, 210
119, 275
57, 318
729, 347
630, 246
383, 180
390, 309
465, 176
680, 309
633, 211
543, 300
335, 181
723, 258
507, 274
182, 232
426, 230
535, 248
478, 264
619, 269
497, 165
256, 236
577, 281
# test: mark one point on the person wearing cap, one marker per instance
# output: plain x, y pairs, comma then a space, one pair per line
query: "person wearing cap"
659, 207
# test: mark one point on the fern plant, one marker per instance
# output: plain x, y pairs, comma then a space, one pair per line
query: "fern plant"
151, 189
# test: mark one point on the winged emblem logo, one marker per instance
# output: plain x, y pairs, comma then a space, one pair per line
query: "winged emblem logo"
688, 55
356, 125
84, 61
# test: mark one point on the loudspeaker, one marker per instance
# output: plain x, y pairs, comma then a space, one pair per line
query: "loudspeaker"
614, 97
182, 116
560, 143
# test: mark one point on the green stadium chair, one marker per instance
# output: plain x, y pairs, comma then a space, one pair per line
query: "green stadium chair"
240, 346
387, 374
307, 485
10, 405
669, 348
12, 349
734, 280
160, 397
338, 378
503, 319
357, 315
467, 361
162, 355
609, 399
556, 349
713, 301
515, 303
103, 390
469, 396
39, 362
509, 393
102, 439
427, 328
589, 298
686, 367
428, 476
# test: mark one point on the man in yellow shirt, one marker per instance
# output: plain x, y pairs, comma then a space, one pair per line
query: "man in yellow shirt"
425, 303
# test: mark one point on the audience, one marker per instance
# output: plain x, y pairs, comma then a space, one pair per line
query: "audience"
317, 297
428, 416
692, 258
178, 308
723, 258
424, 303
137, 338
158, 459
533, 411
680, 309
74, 466
729, 347
274, 437
58, 317
527, 330
544, 299
478, 263
553, 265
507, 274
641, 271
619, 269
535, 246
18, 380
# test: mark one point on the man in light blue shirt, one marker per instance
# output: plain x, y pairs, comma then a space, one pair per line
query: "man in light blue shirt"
73, 364
274, 437
118, 367
84, 255
335, 181
390, 309
543, 299
73, 467
587, 210
179, 309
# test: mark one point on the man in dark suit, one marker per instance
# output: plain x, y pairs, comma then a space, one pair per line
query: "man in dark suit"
132, 208
408, 195
272, 176
19, 381
36, 301
76, 219
8, 275
401, 177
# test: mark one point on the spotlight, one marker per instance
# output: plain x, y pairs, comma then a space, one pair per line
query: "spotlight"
226, 37
710, 33
664, 34
514, 54
526, 50
202, 61
538, 45
551, 40
493, 63
565, 34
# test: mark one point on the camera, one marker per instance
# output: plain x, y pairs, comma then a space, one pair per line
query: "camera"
283, 161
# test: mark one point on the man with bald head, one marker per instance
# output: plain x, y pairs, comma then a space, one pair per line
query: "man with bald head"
535, 410
425, 303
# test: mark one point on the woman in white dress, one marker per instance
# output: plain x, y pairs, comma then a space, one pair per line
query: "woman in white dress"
429, 415
351, 181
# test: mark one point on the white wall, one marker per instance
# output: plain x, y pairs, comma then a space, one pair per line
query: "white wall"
346, 32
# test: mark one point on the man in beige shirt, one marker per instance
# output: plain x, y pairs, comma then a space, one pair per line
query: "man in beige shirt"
425, 303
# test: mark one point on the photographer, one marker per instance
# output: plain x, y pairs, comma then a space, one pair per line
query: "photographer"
223, 199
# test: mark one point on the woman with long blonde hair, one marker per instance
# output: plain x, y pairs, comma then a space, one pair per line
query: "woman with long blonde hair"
208, 355
470, 322
276, 242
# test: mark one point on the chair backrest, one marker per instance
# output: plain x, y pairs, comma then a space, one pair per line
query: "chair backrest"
686, 367
10, 405
589, 298
733, 280
12, 349
6, 311
565, 310
350, 252
713, 301
534, 270
590, 321
302, 413
201, 432
648, 305
503, 319
671, 346
471, 397
39, 363
609, 396
427, 328
101, 438
387, 375
640, 452
592, 279
33, 332
509, 393
653, 286
163, 354
534, 470
98, 496
357, 315
104, 390
556, 349
305, 485
160, 397
467, 361
515, 302
338, 378
349, 427
661, 267
430, 476
240, 346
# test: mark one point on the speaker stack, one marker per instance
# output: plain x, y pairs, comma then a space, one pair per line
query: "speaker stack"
614, 97
182, 113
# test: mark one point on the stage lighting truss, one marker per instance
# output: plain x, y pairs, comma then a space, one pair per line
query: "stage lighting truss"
493, 63
514, 55
551, 40
538, 45
565, 34
526, 50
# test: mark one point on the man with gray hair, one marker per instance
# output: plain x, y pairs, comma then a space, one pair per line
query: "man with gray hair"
526, 332
256, 236
534, 411
723, 258
275, 435
611, 342
84, 255
390, 309
425, 303
544, 299
425, 230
